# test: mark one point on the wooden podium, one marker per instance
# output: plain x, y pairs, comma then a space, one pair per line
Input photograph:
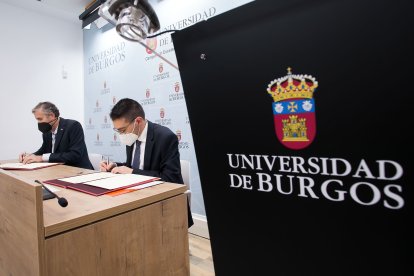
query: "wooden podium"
139, 233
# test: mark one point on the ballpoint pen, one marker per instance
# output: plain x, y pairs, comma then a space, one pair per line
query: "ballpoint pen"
24, 154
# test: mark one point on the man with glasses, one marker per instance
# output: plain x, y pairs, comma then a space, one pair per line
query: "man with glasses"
151, 149
63, 139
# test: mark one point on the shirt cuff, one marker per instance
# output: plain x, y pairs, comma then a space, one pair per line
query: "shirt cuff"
45, 157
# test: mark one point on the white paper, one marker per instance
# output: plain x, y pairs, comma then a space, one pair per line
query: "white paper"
142, 186
30, 166
87, 177
120, 180
52, 188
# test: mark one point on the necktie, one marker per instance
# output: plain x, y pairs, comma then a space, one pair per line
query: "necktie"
53, 142
135, 162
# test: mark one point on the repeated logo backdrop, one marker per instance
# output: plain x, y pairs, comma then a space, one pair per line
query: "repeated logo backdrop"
116, 69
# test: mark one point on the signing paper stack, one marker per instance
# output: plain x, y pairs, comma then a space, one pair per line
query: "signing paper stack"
100, 183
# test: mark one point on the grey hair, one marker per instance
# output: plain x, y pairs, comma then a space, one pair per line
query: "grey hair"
47, 108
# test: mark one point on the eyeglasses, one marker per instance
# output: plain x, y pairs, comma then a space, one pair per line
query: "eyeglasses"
122, 130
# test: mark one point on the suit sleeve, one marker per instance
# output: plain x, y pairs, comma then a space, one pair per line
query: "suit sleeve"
43, 148
128, 153
170, 169
75, 150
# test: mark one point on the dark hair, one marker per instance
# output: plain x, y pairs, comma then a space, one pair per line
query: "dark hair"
128, 109
47, 108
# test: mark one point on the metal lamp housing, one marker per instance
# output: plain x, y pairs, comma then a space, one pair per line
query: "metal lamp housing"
134, 19
133, 24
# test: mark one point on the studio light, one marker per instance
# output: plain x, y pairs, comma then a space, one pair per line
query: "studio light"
134, 19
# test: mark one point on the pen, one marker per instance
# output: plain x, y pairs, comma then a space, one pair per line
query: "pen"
107, 160
24, 154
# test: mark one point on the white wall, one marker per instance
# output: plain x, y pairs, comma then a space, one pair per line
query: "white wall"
34, 48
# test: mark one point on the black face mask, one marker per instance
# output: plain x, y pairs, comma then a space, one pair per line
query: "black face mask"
45, 127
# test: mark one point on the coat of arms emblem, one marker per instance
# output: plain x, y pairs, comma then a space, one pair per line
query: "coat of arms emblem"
294, 109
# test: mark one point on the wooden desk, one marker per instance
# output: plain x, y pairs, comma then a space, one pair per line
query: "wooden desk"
139, 233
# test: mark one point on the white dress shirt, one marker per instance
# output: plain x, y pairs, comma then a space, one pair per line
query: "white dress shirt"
46, 156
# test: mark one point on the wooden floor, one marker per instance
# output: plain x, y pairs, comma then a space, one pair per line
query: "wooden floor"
201, 260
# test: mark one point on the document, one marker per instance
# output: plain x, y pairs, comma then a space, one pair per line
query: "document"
87, 177
121, 180
21, 166
134, 188
142, 186
53, 189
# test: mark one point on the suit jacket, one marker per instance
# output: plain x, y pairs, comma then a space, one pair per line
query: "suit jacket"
161, 157
70, 147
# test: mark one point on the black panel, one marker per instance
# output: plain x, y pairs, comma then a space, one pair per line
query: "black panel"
361, 53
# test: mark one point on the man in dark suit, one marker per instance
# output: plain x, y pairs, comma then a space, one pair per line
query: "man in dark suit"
151, 149
63, 139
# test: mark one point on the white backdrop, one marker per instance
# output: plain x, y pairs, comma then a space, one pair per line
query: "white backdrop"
115, 68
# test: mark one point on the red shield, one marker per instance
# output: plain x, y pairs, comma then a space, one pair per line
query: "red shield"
152, 44
295, 122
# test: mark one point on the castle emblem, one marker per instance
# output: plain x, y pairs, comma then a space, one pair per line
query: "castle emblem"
179, 135
294, 109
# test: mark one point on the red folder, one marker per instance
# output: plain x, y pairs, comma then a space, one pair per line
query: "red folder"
92, 190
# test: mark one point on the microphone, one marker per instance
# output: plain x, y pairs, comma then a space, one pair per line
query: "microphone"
61, 200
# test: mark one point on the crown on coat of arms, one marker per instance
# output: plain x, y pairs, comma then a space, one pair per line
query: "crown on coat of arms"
292, 86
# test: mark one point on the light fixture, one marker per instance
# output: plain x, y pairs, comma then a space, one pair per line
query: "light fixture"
134, 20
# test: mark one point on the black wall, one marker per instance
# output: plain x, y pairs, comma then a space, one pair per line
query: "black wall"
361, 53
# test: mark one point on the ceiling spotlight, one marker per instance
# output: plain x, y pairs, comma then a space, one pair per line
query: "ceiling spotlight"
134, 19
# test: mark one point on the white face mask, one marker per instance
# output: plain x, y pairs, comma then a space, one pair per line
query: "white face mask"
128, 138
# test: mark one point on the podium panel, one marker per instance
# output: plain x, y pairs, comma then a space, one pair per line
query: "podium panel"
299, 115
145, 241
138, 233
21, 226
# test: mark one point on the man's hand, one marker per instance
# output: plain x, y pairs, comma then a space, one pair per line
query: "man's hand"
105, 167
22, 156
32, 159
122, 170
